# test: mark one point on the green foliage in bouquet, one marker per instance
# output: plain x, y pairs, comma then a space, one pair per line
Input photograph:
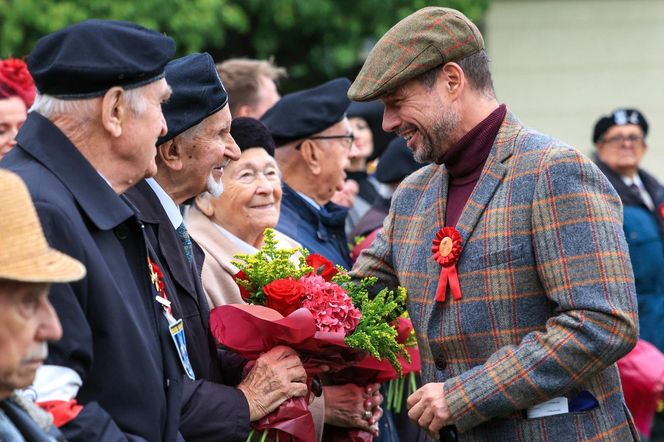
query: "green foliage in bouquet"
268, 264
375, 334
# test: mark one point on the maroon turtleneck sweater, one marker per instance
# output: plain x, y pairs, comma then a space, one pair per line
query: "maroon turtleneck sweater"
465, 161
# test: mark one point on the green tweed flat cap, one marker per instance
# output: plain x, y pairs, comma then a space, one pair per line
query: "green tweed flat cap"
425, 39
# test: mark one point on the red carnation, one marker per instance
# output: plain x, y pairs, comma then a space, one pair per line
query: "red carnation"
322, 266
15, 80
284, 295
246, 295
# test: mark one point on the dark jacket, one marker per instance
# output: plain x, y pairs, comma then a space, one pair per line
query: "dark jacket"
211, 411
319, 231
644, 231
115, 336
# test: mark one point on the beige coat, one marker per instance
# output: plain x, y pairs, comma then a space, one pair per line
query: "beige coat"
217, 276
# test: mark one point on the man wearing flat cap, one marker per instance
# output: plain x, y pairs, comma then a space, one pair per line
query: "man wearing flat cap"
190, 160
28, 266
92, 133
314, 141
510, 245
620, 143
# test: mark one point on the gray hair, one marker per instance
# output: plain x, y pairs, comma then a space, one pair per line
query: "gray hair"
50, 106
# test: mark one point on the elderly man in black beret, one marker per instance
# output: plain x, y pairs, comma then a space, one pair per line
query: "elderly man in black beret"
620, 143
92, 133
314, 141
190, 160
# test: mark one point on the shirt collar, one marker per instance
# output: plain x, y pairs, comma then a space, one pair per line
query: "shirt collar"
310, 201
243, 246
172, 209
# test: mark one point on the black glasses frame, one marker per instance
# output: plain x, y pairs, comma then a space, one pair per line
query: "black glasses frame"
351, 137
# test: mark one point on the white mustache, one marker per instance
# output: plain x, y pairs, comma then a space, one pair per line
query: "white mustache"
38, 352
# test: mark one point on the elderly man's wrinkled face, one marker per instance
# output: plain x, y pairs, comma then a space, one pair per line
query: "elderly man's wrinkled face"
423, 118
12, 116
252, 195
27, 323
206, 153
622, 148
139, 144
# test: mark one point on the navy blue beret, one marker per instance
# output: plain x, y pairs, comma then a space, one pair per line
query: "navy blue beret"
619, 117
86, 59
249, 132
304, 113
197, 93
396, 163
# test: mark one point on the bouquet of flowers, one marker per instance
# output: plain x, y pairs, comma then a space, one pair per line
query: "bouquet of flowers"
314, 308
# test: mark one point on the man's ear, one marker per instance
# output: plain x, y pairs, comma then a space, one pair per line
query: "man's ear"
170, 154
204, 204
452, 79
312, 156
114, 111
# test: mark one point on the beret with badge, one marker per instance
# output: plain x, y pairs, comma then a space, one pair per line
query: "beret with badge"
619, 117
301, 114
197, 93
425, 39
86, 59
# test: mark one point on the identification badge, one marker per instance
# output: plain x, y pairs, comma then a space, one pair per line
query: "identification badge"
557, 405
177, 333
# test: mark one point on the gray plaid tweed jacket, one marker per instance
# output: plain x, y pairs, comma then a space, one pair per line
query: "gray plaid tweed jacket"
548, 296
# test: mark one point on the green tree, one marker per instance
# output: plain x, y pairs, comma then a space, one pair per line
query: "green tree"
314, 39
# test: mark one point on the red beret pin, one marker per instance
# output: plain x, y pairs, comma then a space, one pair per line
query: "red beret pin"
446, 248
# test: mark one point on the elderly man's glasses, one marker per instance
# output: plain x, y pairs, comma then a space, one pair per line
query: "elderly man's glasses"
621, 139
348, 139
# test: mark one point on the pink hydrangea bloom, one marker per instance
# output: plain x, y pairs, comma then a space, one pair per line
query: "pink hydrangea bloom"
332, 308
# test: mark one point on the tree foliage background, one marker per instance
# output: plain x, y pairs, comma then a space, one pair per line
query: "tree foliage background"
314, 39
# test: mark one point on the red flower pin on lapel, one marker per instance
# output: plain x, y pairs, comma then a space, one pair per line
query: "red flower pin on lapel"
446, 248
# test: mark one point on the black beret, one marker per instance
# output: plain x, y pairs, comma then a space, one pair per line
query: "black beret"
197, 93
372, 112
396, 163
619, 117
249, 132
86, 59
304, 113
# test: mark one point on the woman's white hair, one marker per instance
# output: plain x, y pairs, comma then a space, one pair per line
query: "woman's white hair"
50, 106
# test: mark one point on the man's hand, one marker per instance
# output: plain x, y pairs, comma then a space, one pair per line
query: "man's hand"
351, 406
276, 376
427, 407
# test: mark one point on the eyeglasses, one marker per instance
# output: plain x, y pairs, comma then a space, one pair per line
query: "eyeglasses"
348, 139
620, 139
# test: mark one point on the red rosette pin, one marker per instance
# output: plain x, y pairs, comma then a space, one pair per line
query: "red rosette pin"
446, 248
661, 210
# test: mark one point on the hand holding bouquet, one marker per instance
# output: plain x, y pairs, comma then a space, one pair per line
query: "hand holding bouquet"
311, 306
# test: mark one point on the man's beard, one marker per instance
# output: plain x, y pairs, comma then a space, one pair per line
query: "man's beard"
215, 188
438, 139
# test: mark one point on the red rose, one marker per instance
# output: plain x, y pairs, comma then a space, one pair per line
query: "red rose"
246, 295
284, 295
322, 266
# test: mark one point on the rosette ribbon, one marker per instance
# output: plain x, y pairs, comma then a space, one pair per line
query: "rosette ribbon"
446, 248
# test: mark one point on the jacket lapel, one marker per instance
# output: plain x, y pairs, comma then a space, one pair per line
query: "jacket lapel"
492, 176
